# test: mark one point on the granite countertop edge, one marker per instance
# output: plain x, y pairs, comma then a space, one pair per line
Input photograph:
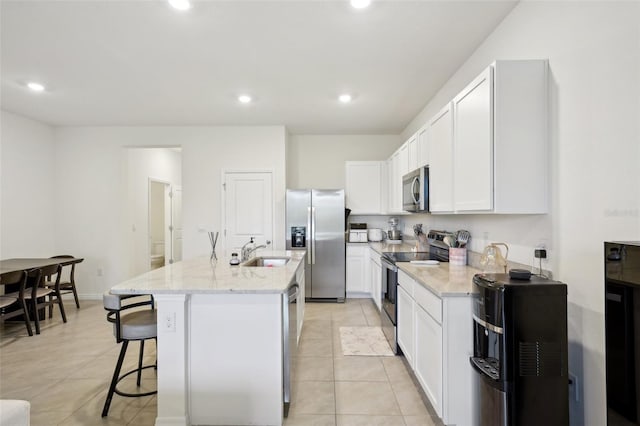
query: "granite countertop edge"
200, 275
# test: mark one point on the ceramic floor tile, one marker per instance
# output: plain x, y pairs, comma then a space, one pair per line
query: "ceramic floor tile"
355, 420
315, 347
146, 417
358, 368
68, 395
422, 421
314, 369
47, 418
313, 398
317, 329
409, 399
396, 369
370, 398
310, 420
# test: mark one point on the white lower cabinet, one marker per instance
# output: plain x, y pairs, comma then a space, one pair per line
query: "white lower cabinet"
405, 326
375, 273
436, 336
428, 357
357, 267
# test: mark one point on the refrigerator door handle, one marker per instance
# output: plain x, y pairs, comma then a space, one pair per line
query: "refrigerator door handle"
310, 250
313, 235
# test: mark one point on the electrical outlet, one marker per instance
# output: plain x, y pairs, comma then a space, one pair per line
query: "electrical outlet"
169, 322
573, 387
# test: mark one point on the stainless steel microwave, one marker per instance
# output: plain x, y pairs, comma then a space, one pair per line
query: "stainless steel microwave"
415, 190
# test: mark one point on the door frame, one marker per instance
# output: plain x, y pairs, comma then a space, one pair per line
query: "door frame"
223, 200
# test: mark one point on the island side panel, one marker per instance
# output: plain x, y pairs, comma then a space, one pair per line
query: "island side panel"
172, 360
235, 359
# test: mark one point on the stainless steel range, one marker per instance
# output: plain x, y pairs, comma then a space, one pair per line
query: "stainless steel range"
438, 250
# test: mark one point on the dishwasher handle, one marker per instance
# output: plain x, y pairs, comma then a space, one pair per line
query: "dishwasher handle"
293, 292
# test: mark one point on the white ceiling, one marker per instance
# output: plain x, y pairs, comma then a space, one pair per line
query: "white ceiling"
143, 63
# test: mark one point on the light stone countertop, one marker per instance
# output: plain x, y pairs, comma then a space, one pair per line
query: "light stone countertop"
200, 275
445, 280
383, 246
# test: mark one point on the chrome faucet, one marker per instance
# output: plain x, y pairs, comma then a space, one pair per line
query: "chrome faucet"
246, 252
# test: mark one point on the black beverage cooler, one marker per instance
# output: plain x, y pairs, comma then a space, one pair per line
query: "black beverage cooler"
520, 351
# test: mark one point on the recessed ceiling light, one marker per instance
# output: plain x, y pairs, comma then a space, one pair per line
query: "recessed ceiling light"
180, 4
360, 4
345, 99
36, 87
245, 99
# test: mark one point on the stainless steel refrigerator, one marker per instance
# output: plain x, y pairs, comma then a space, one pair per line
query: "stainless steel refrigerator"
315, 223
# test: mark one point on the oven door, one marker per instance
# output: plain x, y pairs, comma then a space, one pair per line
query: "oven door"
389, 297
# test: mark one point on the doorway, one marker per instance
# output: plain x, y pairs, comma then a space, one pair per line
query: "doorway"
165, 223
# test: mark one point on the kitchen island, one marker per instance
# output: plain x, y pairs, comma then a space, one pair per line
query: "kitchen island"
221, 332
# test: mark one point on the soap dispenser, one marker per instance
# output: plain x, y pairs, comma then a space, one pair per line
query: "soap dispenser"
234, 259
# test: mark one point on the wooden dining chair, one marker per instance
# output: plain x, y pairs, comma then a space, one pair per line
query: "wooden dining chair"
14, 303
67, 282
40, 296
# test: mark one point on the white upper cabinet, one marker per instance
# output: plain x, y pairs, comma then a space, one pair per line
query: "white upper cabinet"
397, 166
423, 147
488, 152
440, 134
413, 154
473, 159
364, 186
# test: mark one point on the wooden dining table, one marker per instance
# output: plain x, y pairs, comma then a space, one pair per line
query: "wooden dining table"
30, 263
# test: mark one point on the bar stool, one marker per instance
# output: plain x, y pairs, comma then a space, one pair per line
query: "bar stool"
140, 325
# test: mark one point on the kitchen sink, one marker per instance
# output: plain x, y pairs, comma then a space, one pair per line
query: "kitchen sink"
267, 261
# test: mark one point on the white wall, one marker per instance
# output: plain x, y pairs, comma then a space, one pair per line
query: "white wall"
162, 164
594, 58
93, 220
27, 192
317, 161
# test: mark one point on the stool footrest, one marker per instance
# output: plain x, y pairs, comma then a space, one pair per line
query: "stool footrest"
134, 395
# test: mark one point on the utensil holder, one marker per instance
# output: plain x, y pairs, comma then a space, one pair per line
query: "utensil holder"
457, 256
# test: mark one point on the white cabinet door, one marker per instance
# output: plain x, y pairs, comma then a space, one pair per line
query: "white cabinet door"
363, 187
405, 326
423, 147
391, 182
357, 265
397, 166
440, 134
376, 282
412, 152
473, 156
428, 357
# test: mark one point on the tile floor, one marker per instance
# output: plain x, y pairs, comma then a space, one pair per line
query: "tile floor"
64, 372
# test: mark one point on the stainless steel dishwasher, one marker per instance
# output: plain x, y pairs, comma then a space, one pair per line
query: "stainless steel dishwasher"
289, 340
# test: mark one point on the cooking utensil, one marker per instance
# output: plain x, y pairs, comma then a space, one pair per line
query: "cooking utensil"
448, 240
463, 238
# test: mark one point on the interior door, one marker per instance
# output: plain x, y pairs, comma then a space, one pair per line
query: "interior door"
248, 208
176, 224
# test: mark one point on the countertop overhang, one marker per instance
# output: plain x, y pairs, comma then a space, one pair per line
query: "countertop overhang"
200, 275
